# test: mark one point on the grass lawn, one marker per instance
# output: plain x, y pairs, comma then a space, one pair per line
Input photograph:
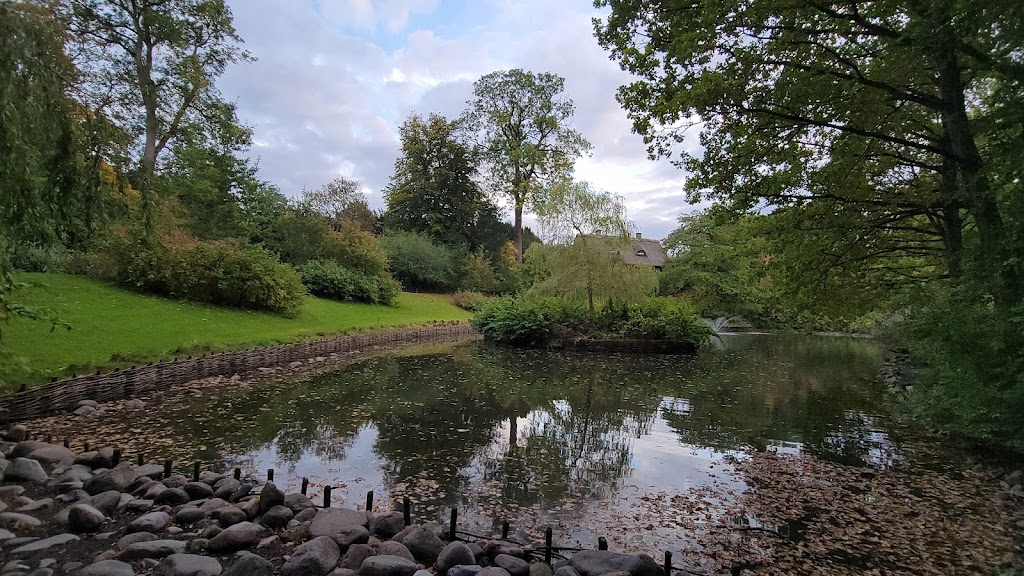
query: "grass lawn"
115, 327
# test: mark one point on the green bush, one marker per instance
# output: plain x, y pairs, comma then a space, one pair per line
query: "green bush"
355, 249
663, 319
537, 322
478, 275
225, 273
328, 279
37, 258
418, 263
471, 301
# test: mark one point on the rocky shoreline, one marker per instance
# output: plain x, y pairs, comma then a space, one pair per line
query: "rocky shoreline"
89, 514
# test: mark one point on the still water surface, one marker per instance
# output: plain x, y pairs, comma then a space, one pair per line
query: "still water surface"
576, 441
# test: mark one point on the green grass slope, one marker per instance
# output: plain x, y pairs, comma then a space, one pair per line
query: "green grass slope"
116, 327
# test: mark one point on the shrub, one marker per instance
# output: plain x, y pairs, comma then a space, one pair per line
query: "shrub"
328, 279
471, 301
418, 263
547, 322
354, 249
38, 258
478, 274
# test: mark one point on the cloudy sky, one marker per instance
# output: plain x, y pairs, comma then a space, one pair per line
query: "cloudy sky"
335, 78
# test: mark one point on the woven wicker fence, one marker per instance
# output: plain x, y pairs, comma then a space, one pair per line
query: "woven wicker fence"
63, 395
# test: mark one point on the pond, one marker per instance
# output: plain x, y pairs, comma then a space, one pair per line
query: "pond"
575, 441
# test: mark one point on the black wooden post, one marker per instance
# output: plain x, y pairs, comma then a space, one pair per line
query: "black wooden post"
547, 545
49, 438
168, 465
327, 496
504, 530
305, 486
67, 442
407, 510
270, 474
116, 458
86, 447
451, 528
369, 501
668, 563
141, 460
602, 543
195, 471
238, 473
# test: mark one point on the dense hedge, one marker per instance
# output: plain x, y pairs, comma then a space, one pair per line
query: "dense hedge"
552, 322
328, 279
226, 273
420, 264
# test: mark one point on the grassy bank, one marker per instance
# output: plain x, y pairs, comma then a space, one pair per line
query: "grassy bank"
115, 327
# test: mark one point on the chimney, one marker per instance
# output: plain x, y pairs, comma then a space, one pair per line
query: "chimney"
639, 236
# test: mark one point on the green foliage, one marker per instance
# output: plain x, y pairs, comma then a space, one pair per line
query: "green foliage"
298, 235
589, 271
39, 258
420, 264
522, 126
225, 273
352, 247
549, 322
432, 191
328, 279
478, 275
471, 301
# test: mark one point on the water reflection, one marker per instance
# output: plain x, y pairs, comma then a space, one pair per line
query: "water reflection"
549, 437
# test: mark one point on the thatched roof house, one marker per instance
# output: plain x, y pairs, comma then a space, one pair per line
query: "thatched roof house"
639, 250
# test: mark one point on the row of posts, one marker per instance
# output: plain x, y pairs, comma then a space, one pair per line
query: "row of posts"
602, 542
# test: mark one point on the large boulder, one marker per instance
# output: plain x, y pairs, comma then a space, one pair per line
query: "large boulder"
297, 502
45, 543
152, 522
424, 545
52, 454
249, 564
237, 537
454, 554
392, 548
331, 521
84, 518
351, 535
25, 470
198, 490
388, 524
464, 570
493, 571
107, 568
151, 549
116, 479
276, 518
106, 502
189, 565
270, 496
318, 557
355, 555
598, 562
102, 458
172, 497
26, 447
15, 521
514, 566
387, 566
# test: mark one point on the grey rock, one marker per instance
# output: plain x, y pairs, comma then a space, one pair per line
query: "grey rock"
106, 502
84, 411
317, 557
495, 547
297, 502
250, 507
514, 566
198, 490
351, 535
464, 570
210, 478
213, 504
540, 569
138, 505
17, 433
11, 492
277, 517
25, 470
330, 521
387, 524
175, 481
151, 549
196, 545
152, 522
116, 479
387, 566
189, 565
189, 515
58, 540
151, 471
344, 572
270, 496
422, 573
229, 516
41, 571
424, 545
85, 518
225, 488
404, 532
41, 504
392, 548
235, 538
155, 489
478, 552
242, 491
306, 515
249, 564
355, 556
107, 568
129, 539
454, 554
493, 571
598, 562
6, 535
102, 458
74, 496
172, 497
26, 447
15, 521
52, 454
210, 532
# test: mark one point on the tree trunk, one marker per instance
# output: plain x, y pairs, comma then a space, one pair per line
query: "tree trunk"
517, 232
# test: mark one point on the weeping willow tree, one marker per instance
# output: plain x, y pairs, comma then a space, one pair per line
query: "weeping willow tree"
586, 229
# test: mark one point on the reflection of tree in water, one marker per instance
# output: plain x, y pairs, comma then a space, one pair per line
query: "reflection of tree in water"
814, 392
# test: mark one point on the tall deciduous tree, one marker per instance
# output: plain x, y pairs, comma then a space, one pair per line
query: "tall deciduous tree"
334, 198
521, 122
153, 64
875, 109
433, 190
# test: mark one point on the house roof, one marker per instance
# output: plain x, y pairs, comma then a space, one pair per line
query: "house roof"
640, 251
